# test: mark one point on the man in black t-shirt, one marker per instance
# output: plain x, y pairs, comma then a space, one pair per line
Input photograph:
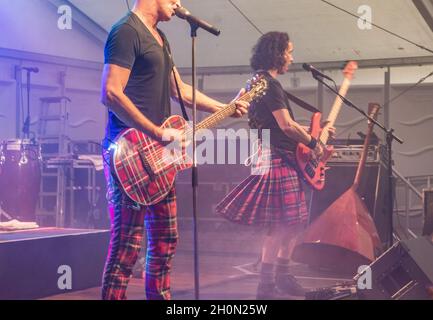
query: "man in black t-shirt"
138, 82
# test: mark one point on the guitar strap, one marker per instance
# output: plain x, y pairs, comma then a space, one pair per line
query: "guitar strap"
182, 105
295, 99
179, 94
301, 103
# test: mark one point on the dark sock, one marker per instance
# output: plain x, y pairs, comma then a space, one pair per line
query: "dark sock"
282, 266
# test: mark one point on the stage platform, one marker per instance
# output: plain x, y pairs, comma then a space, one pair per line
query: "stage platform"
37, 263
229, 268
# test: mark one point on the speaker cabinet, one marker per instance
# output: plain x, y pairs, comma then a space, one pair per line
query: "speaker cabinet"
373, 190
403, 272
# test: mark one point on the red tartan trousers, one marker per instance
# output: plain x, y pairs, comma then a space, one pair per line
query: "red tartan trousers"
128, 221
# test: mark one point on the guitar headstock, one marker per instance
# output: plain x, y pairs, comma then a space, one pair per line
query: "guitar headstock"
256, 87
350, 69
373, 110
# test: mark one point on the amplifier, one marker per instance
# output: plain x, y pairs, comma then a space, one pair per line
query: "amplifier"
353, 153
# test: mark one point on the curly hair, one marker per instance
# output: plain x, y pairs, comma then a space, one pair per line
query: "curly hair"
269, 51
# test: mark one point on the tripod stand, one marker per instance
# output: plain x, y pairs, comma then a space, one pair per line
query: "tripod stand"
26, 125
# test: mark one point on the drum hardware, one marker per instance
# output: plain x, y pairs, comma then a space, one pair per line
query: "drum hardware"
2, 156
23, 159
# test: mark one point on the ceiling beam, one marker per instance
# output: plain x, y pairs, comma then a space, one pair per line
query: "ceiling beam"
226, 70
49, 59
425, 8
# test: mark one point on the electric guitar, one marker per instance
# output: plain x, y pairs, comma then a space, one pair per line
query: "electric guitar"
146, 168
313, 169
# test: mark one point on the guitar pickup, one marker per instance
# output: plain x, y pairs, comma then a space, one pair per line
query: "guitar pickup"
310, 171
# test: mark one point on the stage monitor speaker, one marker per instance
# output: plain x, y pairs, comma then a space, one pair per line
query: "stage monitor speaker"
403, 272
372, 189
428, 212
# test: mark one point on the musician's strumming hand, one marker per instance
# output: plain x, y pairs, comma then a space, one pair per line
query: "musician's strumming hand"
241, 106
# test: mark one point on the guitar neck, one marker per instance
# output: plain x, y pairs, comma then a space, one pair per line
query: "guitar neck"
373, 111
335, 110
217, 117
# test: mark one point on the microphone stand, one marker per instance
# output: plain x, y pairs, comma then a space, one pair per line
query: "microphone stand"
26, 125
194, 28
195, 24
390, 137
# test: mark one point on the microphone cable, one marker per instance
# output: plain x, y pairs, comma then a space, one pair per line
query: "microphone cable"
246, 17
420, 81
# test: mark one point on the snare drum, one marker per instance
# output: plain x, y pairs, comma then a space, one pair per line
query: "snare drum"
20, 178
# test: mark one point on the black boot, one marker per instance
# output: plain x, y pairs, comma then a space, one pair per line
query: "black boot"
269, 291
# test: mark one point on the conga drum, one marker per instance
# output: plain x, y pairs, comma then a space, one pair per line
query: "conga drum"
20, 178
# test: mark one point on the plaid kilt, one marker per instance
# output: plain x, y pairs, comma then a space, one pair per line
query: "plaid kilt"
273, 197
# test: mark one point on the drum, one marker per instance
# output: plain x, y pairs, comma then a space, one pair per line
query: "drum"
20, 178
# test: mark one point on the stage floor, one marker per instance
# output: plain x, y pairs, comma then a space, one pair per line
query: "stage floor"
228, 269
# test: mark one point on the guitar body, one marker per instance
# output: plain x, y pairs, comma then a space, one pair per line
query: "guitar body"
313, 170
145, 168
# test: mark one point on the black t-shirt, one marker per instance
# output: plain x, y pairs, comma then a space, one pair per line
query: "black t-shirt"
260, 113
131, 45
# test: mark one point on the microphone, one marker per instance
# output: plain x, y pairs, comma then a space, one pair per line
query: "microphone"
309, 67
183, 13
35, 69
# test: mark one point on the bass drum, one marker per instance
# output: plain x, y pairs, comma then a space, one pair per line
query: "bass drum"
20, 178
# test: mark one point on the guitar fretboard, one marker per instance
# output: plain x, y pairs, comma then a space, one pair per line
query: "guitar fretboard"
220, 115
335, 110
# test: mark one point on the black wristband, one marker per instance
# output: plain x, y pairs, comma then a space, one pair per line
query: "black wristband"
312, 144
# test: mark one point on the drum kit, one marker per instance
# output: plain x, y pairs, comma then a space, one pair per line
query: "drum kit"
20, 178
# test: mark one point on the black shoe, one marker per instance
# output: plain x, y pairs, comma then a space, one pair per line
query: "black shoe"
289, 285
270, 292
